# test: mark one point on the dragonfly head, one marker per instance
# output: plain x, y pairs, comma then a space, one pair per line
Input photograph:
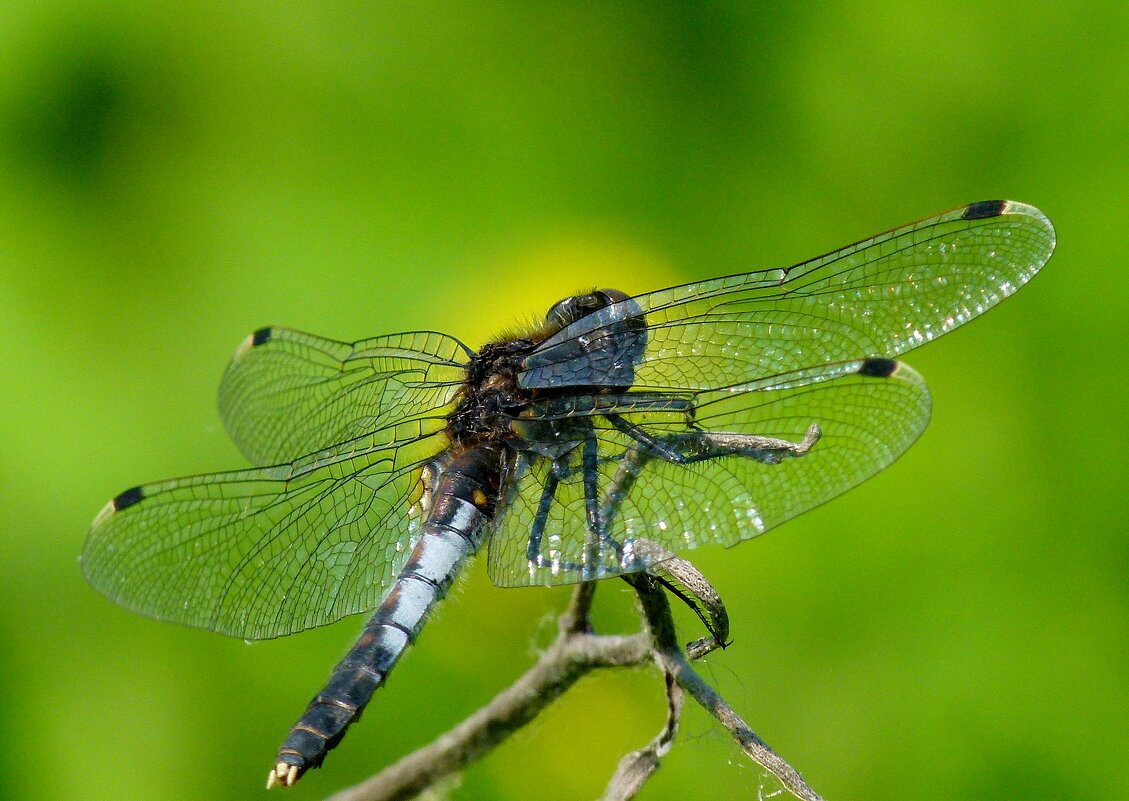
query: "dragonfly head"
569, 310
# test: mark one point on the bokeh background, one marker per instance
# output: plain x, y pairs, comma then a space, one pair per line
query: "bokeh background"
174, 175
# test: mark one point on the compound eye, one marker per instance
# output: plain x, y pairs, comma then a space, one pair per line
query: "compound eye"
569, 310
563, 312
610, 296
572, 309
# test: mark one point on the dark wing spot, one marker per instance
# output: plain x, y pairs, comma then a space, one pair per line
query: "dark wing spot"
261, 336
984, 209
878, 368
128, 498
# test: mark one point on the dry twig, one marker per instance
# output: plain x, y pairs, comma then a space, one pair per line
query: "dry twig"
574, 652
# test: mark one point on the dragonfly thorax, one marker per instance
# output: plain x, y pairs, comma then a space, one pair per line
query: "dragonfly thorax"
490, 396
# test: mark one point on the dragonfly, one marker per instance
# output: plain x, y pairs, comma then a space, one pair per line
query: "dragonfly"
705, 413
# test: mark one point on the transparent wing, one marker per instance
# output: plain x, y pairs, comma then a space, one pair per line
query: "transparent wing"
286, 393
880, 297
867, 421
265, 552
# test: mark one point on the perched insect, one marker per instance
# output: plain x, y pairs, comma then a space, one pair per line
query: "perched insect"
703, 413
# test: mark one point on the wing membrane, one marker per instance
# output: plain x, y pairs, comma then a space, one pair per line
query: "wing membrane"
286, 393
265, 552
879, 297
867, 422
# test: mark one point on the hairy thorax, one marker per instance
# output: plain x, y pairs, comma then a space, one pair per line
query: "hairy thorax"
494, 409
490, 397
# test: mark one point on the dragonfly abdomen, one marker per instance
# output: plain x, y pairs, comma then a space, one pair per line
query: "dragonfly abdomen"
463, 499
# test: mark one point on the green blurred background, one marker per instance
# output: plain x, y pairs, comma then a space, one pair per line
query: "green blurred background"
175, 175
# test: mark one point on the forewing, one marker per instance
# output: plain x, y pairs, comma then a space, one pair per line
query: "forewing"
867, 420
265, 552
879, 297
286, 393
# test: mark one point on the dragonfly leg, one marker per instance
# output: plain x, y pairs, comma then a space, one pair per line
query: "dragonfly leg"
630, 465
557, 471
589, 456
687, 448
599, 544
598, 538
537, 530
698, 446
